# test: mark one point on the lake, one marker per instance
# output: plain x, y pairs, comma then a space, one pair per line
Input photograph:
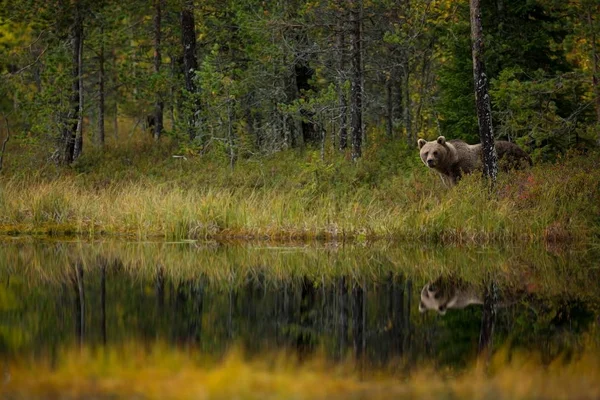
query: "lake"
366, 309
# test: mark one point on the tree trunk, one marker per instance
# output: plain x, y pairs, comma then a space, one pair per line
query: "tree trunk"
356, 81
158, 105
389, 106
79, 131
190, 63
488, 321
100, 133
595, 79
358, 320
406, 114
303, 75
66, 151
103, 300
79, 289
343, 102
230, 134
4, 142
424, 78
343, 315
482, 97
116, 97
159, 289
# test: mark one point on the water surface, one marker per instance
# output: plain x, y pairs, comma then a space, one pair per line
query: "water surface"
373, 304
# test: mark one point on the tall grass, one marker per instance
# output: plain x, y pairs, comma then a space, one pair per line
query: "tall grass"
146, 194
133, 372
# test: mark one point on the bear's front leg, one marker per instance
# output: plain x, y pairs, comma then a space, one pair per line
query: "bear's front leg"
446, 180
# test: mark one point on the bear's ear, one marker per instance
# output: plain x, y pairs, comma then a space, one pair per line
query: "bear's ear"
421, 143
441, 140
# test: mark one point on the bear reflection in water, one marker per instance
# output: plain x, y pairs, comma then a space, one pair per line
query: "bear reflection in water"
446, 293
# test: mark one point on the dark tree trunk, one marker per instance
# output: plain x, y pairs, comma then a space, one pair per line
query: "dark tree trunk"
198, 304
37, 69
424, 79
488, 321
595, 78
101, 101
304, 73
158, 105
408, 309
358, 320
396, 315
306, 321
343, 102
79, 130
4, 142
115, 80
482, 97
190, 63
356, 80
159, 287
230, 134
343, 315
389, 88
103, 301
79, 303
406, 112
66, 153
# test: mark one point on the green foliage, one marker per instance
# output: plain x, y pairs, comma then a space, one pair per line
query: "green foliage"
531, 110
522, 39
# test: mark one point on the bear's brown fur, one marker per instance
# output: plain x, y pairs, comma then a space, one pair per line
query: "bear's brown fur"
453, 158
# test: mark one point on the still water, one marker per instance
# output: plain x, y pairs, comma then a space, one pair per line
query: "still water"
374, 304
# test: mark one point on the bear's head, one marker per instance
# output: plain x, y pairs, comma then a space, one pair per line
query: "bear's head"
435, 296
435, 152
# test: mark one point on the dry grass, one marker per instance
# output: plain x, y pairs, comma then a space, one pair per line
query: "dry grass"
145, 194
164, 373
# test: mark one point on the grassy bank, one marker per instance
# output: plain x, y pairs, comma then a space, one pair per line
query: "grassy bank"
166, 373
142, 191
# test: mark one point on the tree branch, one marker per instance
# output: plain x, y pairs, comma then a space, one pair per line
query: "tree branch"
5, 141
28, 65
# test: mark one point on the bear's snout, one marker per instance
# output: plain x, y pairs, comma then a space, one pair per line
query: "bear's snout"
431, 162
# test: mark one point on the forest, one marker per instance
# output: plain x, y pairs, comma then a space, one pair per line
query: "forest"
226, 199
292, 118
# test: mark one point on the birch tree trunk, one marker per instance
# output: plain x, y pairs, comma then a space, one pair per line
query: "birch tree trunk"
66, 151
482, 97
190, 63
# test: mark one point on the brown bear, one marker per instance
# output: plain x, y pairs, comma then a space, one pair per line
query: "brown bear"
445, 294
453, 158
448, 293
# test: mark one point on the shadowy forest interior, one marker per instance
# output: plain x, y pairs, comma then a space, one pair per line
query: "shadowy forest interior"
225, 198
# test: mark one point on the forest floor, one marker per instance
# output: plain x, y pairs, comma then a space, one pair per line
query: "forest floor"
141, 190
